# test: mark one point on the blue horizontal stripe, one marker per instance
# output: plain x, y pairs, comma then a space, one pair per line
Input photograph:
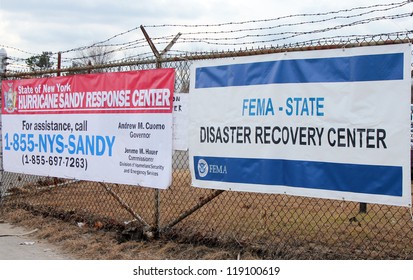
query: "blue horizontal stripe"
355, 178
380, 67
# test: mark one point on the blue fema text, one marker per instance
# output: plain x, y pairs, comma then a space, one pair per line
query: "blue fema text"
305, 106
257, 107
93, 145
294, 106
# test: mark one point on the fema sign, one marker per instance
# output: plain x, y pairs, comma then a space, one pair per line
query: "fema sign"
330, 124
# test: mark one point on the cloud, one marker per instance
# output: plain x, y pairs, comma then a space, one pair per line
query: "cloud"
49, 25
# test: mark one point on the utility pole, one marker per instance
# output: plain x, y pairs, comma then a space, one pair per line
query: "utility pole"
3, 62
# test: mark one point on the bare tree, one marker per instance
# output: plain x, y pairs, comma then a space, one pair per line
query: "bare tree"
96, 55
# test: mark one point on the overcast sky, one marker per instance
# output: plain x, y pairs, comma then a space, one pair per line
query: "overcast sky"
57, 25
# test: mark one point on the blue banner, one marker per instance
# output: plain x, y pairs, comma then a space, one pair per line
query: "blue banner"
317, 70
356, 178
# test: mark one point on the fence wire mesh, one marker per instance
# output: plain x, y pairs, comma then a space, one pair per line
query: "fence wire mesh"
276, 226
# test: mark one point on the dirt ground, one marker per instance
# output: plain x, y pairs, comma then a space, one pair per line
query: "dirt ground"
85, 219
83, 243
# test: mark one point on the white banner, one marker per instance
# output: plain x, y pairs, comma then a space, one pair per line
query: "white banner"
180, 122
113, 127
329, 124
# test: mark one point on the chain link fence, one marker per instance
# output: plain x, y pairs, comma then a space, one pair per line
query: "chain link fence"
274, 226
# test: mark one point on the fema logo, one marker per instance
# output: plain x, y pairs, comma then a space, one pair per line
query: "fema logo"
202, 168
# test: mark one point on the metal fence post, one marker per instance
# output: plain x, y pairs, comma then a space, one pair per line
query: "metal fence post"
158, 57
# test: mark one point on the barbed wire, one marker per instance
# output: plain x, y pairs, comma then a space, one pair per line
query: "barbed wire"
250, 36
279, 25
101, 42
291, 34
16, 49
399, 4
